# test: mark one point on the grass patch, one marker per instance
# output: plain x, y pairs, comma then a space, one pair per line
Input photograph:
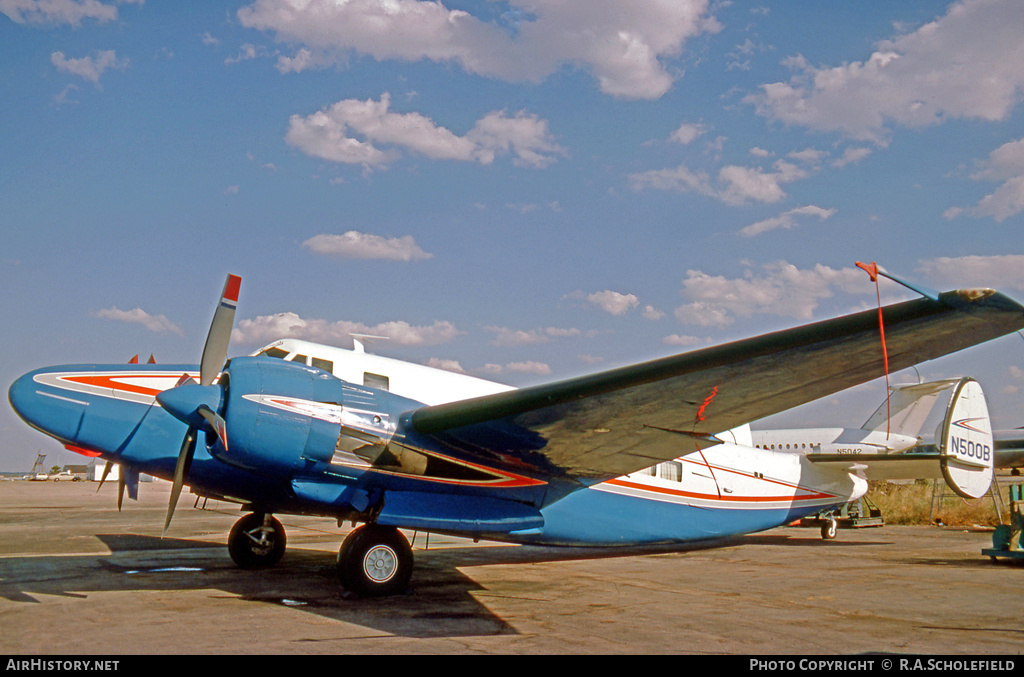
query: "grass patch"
911, 503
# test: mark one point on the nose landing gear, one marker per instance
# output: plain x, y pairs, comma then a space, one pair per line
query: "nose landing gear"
257, 541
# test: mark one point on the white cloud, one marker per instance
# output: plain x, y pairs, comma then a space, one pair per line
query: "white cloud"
87, 67
736, 185
528, 367
786, 220
491, 370
680, 179
447, 365
753, 183
998, 272
267, 328
810, 156
851, 156
247, 52
356, 245
1005, 164
504, 336
331, 134
613, 302
57, 11
781, 289
965, 64
652, 313
682, 340
703, 314
624, 45
687, 133
155, 323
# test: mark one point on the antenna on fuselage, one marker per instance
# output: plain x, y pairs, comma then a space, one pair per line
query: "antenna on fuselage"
359, 341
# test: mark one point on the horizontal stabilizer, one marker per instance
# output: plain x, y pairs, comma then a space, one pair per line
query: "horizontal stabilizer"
963, 456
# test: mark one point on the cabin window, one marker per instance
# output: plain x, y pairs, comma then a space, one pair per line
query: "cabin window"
652, 471
300, 358
326, 365
275, 352
671, 470
375, 381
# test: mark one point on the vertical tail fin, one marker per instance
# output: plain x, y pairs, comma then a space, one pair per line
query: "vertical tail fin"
966, 442
909, 407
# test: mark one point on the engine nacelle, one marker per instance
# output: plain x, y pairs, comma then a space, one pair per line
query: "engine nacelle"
282, 417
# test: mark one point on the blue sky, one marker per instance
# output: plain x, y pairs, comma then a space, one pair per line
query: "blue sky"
524, 190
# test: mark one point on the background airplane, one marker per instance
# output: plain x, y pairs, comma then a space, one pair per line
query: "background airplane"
566, 463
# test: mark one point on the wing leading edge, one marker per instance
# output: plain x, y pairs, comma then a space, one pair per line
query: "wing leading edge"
619, 421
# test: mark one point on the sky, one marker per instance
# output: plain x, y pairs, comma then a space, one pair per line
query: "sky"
521, 190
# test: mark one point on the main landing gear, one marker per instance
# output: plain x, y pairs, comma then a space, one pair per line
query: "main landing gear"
373, 561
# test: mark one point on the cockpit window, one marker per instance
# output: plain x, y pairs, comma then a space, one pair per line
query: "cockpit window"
300, 358
274, 352
326, 365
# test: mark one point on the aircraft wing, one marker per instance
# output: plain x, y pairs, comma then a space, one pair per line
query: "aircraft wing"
625, 419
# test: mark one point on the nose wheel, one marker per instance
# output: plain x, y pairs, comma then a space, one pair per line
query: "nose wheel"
257, 541
375, 561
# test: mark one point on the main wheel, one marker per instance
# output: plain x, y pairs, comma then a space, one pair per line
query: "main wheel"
375, 561
257, 541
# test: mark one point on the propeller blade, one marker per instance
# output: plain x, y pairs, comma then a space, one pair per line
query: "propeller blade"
103, 477
188, 449
215, 351
216, 422
131, 482
121, 482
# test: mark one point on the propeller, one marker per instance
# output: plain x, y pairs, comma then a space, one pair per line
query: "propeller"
126, 478
197, 403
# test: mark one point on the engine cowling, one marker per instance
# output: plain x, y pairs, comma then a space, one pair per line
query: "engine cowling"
282, 417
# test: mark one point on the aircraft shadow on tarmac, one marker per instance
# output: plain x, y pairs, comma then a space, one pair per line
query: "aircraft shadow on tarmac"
440, 602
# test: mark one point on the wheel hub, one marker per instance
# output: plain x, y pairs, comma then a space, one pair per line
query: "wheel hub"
380, 563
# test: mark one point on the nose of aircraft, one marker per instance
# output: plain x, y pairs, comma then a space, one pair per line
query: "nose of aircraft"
56, 415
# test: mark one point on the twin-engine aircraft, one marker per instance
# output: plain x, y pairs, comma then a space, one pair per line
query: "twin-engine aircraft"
631, 456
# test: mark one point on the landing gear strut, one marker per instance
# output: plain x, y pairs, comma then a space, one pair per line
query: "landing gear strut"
375, 561
256, 541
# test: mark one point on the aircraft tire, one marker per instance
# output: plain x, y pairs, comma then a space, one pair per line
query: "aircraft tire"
253, 547
375, 561
828, 530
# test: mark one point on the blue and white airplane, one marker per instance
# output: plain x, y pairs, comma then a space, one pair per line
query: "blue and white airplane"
630, 456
